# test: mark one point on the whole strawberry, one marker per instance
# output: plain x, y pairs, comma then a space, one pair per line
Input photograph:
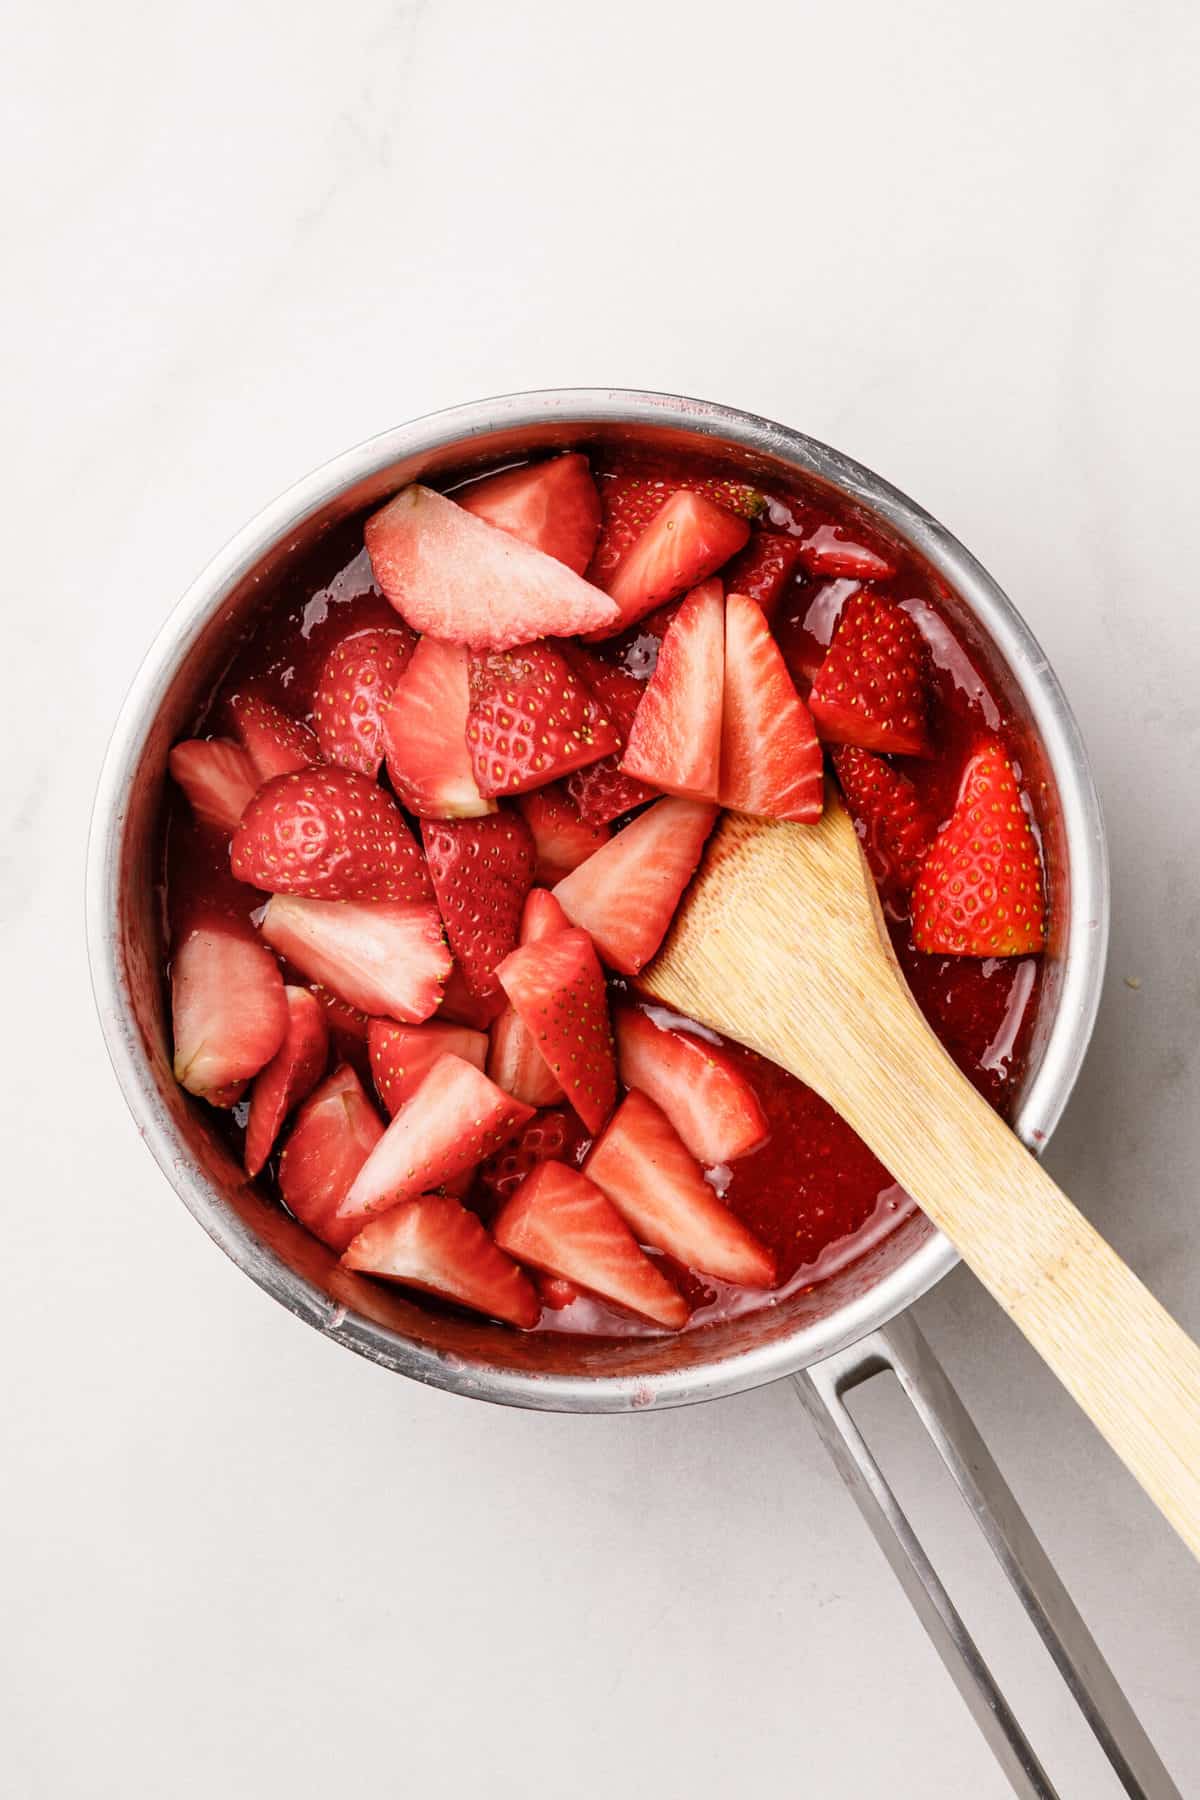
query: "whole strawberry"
980, 890
328, 834
873, 687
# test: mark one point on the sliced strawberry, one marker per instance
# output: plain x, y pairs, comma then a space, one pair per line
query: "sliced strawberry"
552, 505
218, 778
696, 1083
980, 889
687, 541
454, 1119
561, 837
436, 1245
514, 1061
228, 1009
771, 762
632, 496
459, 578
601, 791
830, 550
763, 569
354, 691
482, 870
463, 1007
328, 834
530, 720
675, 740
292, 1072
402, 1055
626, 894
276, 743
335, 1131
425, 735
548, 1137
873, 687
561, 1223
556, 986
345, 1022
659, 1189
891, 819
541, 916
386, 957
554, 1292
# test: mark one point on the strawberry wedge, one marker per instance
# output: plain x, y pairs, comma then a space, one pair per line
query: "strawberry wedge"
626, 894
531, 720
386, 957
601, 791
437, 1246
328, 834
675, 740
425, 735
562, 1224
276, 743
354, 690
482, 870
548, 1137
557, 990
561, 837
335, 1131
514, 1061
456, 577
292, 1072
696, 1083
228, 1008
552, 505
685, 544
402, 1055
771, 763
218, 778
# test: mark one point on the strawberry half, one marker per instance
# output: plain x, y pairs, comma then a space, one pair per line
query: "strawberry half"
218, 778
980, 889
626, 894
771, 762
402, 1055
514, 1061
425, 735
696, 1083
873, 687
530, 721
563, 1224
829, 550
292, 1072
631, 498
763, 569
228, 1010
659, 1189
437, 1246
482, 870
601, 791
276, 743
459, 578
688, 540
335, 1131
354, 691
552, 505
675, 741
328, 834
562, 839
557, 989
386, 957
893, 825
548, 1137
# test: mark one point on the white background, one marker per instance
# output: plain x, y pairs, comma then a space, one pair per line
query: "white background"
957, 241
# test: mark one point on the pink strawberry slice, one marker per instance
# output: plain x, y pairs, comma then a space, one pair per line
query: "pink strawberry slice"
530, 720
771, 762
563, 1224
600, 790
402, 1055
830, 550
557, 990
552, 505
695, 1081
457, 577
354, 691
893, 823
482, 870
659, 1189
228, 1009
980, 890
688, 540
626, 894
292, 1072
452, 1121
675, 741
763, 569
873, 687
328, 834
514, 1061
548, 1137
218, 778
632, 496
561, 837
335, 1131
386, 957
435, 1245
463, 1007
276, 743
425, 735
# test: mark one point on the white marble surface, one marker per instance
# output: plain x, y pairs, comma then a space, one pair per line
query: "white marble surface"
954, 240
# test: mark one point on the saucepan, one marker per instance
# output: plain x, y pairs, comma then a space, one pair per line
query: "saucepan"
844, 1330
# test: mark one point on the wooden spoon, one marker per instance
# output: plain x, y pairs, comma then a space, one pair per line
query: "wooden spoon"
780, 945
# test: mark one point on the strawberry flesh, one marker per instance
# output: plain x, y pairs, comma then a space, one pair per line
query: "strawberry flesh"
388, 958
552, 505
980, 890
873, 687
771, 762
228, 1009
402, 1055
291, 1074
335, 1131
328, 834
482, 870
353, 693
687, 541
218, 778
625, 895
556, 987
675, 740
632, 496
601, 791
436, 1245
530, 720
514, 1061
425, 735
276, 743
562, 838
696, 1083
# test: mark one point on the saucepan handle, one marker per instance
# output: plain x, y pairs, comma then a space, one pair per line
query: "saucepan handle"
901, 1349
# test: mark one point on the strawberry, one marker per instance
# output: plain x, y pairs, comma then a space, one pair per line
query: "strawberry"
482, 870
335, 1131
218, 778
425, 735
675, 739
276, 743
386, 957
465, 1008
561, 838
292, 1072
563, 1224
554, 1292
631, 500
530, 720
541, 916
328, 834
514, 1061
550, 1136
344, 1022
763, 569
556, 986
771, 762
659, 1189
980, 891
873, 687
437, 1246
694, 1080
552, 505
228, 1009
601, 791
452, 1121
457, 577
626, 894
892, 822
828, 550
687, 541
354, 691
401, 1055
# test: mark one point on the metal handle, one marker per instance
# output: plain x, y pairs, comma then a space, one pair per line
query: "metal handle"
901, 1349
